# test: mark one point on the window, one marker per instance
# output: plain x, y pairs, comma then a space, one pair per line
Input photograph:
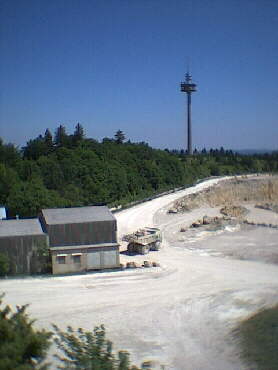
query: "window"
76, 259
61, 259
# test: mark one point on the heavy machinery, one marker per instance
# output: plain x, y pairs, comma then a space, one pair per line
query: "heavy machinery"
144, 240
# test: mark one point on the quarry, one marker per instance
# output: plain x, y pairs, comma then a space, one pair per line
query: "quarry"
218, 263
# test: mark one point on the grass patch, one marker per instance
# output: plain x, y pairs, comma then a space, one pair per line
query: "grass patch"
259, 339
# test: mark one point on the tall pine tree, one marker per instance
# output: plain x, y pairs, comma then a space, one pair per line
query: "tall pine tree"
61, 137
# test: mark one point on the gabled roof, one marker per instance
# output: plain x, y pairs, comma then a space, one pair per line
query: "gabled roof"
20, 227
55, 216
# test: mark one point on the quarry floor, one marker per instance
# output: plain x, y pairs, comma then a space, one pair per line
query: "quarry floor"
182, 313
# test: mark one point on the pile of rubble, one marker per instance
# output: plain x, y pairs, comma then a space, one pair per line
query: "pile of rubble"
135, 265
234, 211
136, 234
268, 206
206, 220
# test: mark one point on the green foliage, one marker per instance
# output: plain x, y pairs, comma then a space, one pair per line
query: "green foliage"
88, 350
61, 137
43, 258
119, 137
21, 346
4, 264
75, 171
26, 198
78, 135
259, 339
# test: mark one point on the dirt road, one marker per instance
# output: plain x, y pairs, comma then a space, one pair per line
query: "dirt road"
181, 314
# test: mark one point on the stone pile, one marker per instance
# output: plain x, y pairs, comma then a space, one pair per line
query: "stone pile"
206, 220
234, 211
136, 265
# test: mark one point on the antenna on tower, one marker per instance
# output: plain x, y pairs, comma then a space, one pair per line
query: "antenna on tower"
188, 64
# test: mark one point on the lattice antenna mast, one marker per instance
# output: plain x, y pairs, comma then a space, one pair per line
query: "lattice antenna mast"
188, 86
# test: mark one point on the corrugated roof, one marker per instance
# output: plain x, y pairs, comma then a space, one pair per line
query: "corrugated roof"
75, 215
20, 227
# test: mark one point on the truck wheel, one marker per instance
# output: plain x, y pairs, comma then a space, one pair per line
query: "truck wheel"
130, 248
157, 246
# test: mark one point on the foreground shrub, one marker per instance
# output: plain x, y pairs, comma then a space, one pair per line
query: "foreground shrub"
259, 339
86, 350
4, 264
21, 346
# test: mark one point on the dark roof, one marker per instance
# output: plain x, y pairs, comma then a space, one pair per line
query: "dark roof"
75, 215
20, 227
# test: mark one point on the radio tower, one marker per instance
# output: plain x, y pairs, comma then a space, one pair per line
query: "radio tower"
188, 87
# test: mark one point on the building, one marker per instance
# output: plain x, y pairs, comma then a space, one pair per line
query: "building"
81, 238
25, 243
3, 215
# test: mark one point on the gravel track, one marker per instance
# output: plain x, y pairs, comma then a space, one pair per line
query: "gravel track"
181, 314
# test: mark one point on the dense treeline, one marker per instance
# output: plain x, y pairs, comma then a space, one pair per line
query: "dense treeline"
72, 170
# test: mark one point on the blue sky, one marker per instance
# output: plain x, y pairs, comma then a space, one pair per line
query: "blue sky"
117, 64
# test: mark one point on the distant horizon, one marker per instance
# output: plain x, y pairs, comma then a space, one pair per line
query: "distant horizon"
259, 150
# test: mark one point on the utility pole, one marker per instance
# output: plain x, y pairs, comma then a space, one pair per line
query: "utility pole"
188, 87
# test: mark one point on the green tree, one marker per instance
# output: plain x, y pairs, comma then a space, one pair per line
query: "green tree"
9, 154
78, 134
8, 179
86, 350
21, 346
35, 148
4, 264
48, 139
61, 137
27, 198
119, 137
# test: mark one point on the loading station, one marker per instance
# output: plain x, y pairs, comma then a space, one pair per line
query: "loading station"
81, 238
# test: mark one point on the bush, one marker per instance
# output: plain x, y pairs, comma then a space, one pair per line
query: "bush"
259, 339
4, 264
21, 346
86, 350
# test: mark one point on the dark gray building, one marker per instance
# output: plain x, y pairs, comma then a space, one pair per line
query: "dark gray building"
25, 243
81, 238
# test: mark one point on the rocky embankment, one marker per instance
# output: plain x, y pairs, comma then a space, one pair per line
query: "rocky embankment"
232, 194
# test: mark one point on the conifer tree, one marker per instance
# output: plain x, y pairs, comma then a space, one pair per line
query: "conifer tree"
48, 140
78, 134
119, 137
61, 137
48, 137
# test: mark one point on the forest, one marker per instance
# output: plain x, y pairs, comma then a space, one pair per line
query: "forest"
65, 170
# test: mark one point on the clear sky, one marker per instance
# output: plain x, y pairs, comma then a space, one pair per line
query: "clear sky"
117, 64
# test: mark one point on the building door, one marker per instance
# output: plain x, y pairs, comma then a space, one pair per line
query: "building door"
93, 260
109, 258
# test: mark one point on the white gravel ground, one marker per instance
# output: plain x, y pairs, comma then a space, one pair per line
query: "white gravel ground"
181, 313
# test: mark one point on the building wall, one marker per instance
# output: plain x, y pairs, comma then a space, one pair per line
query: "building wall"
23, 253
90, 259
81, 233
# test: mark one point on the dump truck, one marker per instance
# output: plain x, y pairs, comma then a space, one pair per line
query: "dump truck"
144, 240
